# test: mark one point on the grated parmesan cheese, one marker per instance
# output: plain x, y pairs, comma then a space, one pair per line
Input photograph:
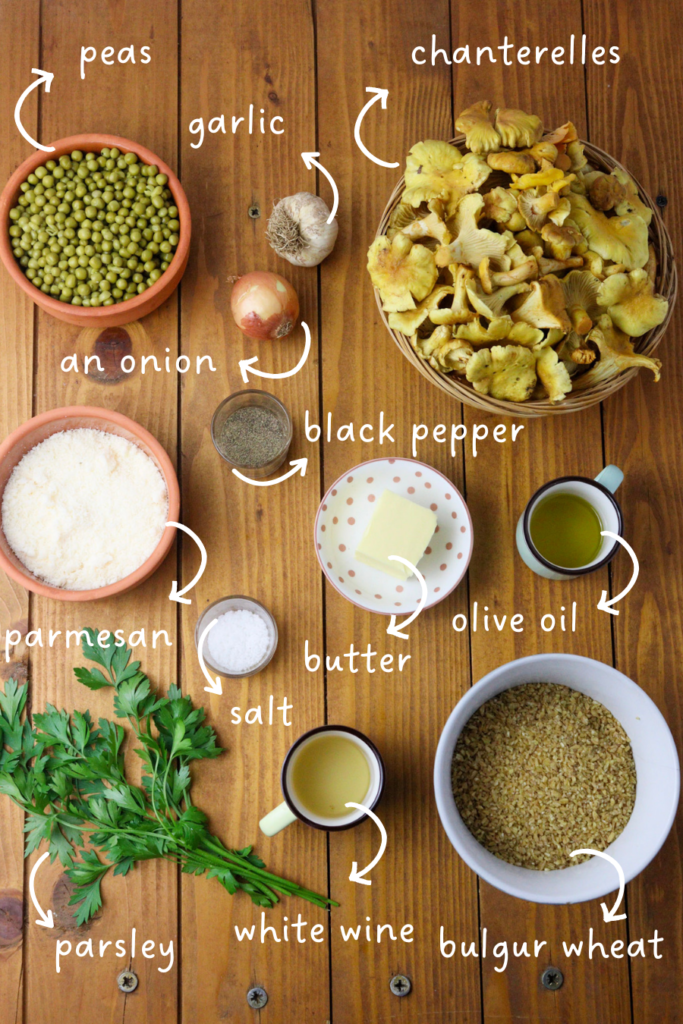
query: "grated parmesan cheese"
84, 508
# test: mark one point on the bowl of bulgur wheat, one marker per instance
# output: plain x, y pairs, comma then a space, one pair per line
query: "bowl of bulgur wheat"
549, 754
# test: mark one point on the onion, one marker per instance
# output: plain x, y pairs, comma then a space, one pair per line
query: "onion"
264, 305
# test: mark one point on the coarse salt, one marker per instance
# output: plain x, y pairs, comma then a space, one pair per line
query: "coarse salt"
84, 508
239, 640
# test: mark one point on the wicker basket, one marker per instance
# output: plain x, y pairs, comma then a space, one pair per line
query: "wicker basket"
458, 387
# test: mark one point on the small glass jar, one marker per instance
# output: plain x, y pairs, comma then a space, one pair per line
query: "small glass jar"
258, 399
233, 604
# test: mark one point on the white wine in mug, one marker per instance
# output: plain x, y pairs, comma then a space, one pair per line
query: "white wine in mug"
327, 773
324, 771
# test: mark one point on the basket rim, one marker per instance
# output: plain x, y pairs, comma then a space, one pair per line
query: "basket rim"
575, 400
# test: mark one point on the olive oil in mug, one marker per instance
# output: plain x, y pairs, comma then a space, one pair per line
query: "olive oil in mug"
328, 772
565, 529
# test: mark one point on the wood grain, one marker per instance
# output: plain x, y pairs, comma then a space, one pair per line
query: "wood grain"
20, 22
310, 64
629, 103
500, 480
420, 879
124, 101
258, 539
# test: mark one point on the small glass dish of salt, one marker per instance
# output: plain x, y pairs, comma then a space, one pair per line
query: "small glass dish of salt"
236, 637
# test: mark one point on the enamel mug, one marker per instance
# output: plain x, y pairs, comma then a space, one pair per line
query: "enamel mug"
600, 494
292, 807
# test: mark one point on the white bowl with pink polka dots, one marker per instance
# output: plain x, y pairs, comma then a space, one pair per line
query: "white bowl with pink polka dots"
345, 511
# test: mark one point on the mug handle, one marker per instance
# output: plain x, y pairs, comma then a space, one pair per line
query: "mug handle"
279, 818
611, 477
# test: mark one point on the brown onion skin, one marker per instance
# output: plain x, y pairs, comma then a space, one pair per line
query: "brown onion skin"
277, 302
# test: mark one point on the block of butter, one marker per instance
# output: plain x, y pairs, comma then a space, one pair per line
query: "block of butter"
398, 527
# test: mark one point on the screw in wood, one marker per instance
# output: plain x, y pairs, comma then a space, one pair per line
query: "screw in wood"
254, 211
552, 979
400, 985
661, 201
257, 997
127, 981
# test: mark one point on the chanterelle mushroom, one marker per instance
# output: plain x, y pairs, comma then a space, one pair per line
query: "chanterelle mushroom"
459, 312
471, 243
563, 241
631, 302
475, 124
575, 352
517, 128
409, 321
500, 204
580, 297
621, 239
437, 170
606, 191
504, 371
511, 162
430, 226
402, 272
452, 356
632, 203
553, 374
549, 177
616, 355
535, 209
426, 347
491, 279
544, 305
491, 306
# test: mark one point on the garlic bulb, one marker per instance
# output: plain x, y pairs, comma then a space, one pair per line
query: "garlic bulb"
298, 229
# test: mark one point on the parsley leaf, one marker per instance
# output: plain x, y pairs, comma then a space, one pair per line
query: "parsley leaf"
68, 775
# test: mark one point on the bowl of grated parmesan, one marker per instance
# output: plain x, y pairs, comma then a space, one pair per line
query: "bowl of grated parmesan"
85, 495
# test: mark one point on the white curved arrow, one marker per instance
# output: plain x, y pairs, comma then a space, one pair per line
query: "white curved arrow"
177, 595
603, 604
356, 875
46, 77
247, 364
310, 161
215, 685
608, 915
298, 466
46, 920
382, 95
392, 628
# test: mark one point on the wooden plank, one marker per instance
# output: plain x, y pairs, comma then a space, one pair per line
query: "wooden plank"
19, 22
129, 101
629, 107
420, 880
258, 539
500, 480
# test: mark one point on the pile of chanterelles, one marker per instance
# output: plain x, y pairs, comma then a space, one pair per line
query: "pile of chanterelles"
516, 265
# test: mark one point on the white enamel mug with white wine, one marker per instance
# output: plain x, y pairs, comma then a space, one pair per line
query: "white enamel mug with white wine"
324, 770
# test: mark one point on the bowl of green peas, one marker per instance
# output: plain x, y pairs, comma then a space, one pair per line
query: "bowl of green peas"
97, 232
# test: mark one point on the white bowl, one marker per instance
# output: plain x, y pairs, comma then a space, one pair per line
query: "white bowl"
346, 510
657, 769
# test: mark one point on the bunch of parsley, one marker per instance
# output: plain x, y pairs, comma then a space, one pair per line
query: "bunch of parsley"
69, 778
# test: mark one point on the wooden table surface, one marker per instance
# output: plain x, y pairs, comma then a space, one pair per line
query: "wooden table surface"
310, 64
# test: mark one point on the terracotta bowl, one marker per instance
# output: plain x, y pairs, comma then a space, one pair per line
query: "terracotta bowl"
39, 428
122, 312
